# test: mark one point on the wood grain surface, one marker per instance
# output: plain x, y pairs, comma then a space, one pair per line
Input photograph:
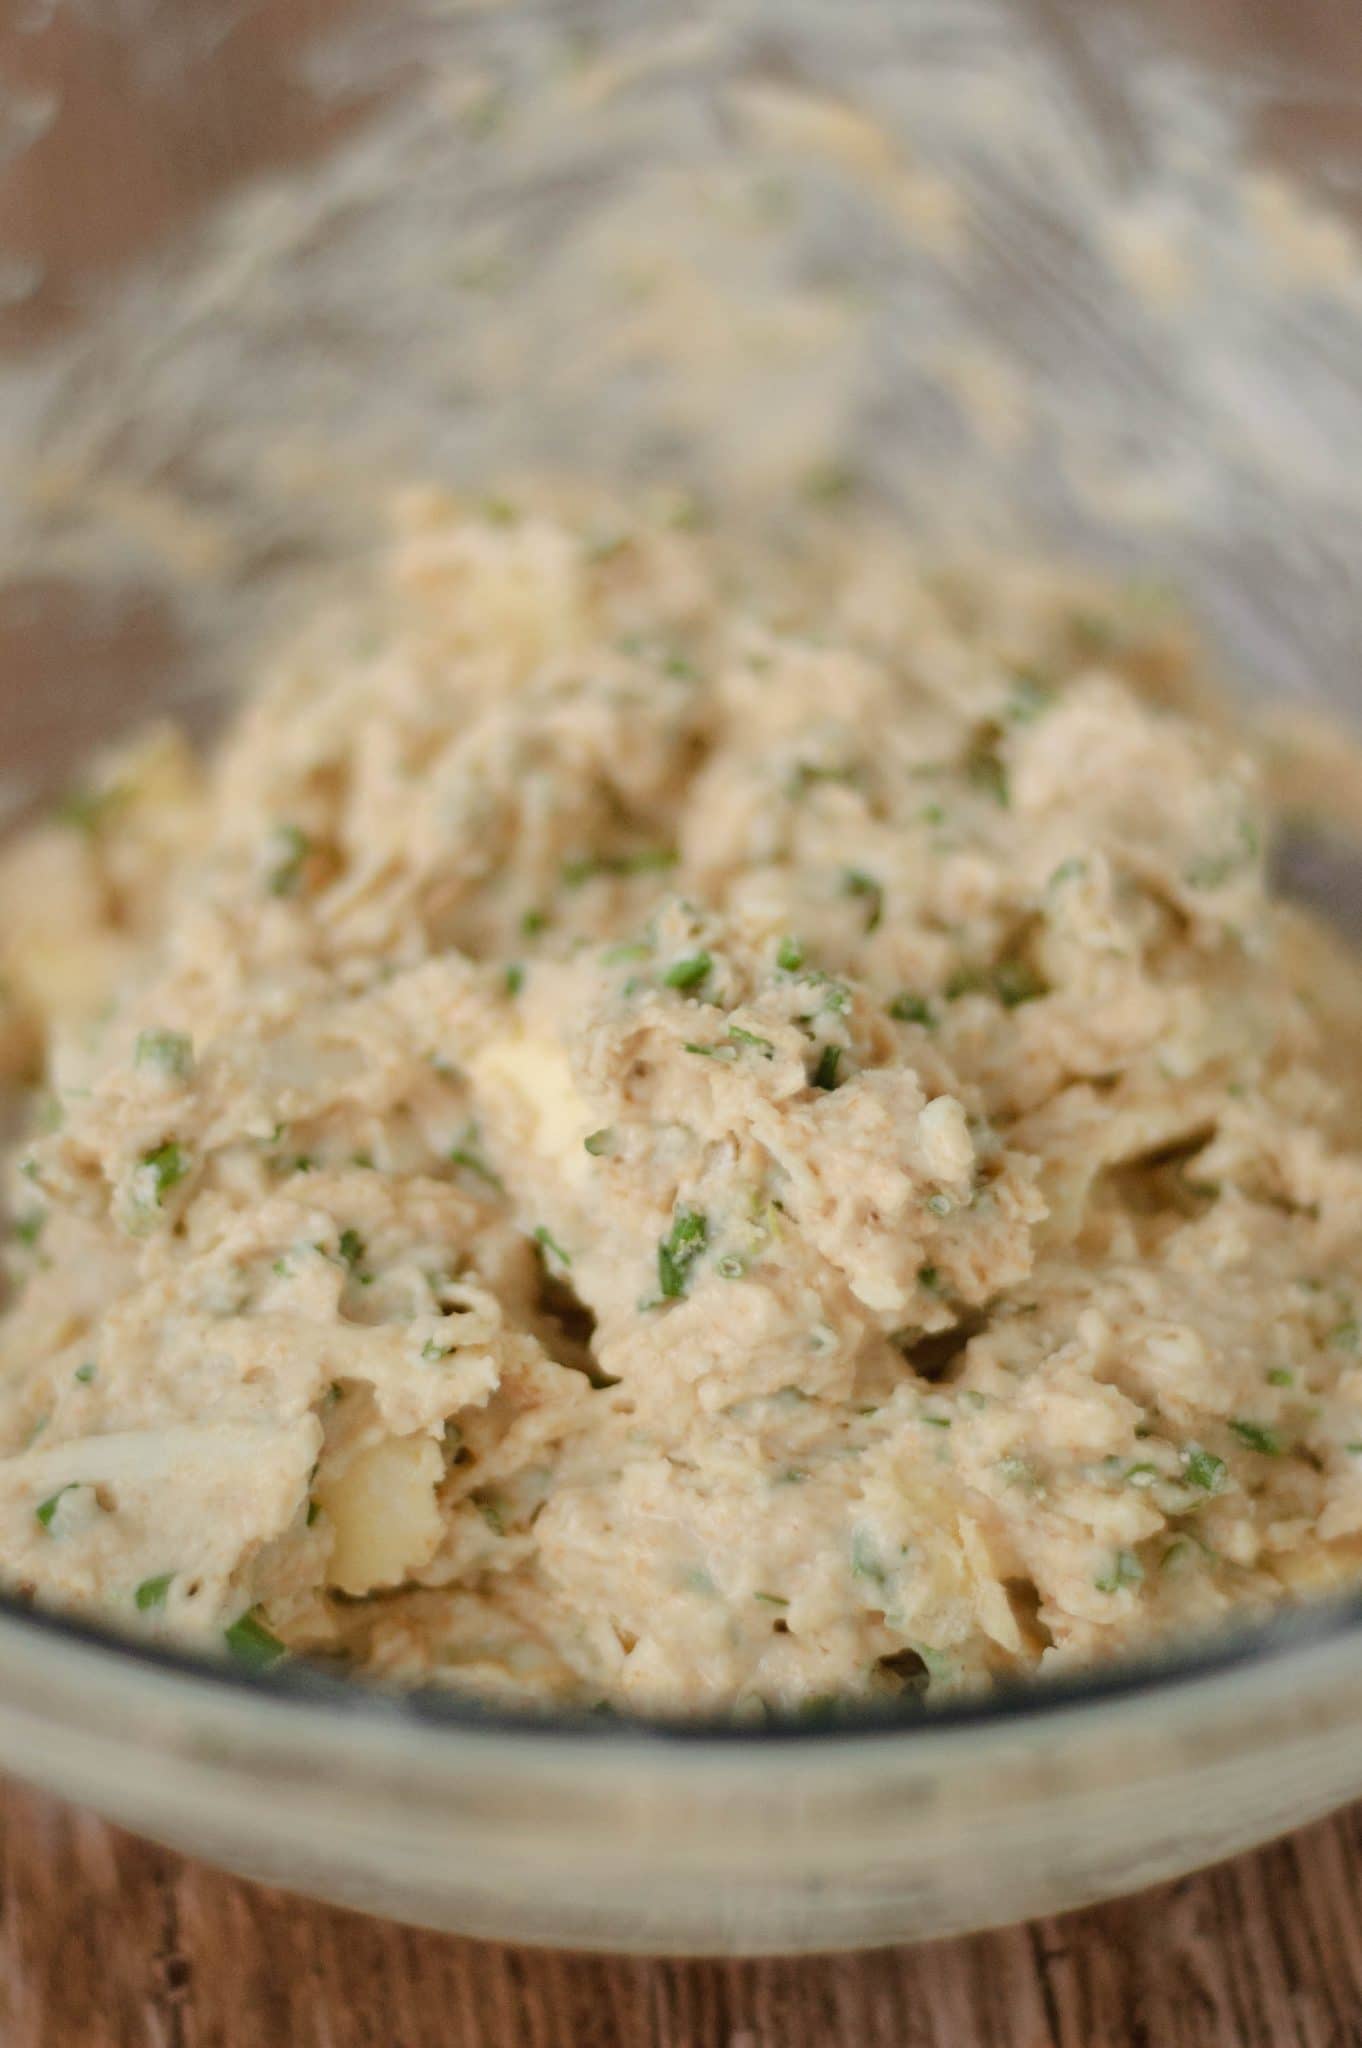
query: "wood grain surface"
108, 1943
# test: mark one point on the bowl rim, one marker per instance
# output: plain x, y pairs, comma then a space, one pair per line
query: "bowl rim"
310, 1691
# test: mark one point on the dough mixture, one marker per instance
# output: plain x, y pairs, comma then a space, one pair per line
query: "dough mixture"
683, 1126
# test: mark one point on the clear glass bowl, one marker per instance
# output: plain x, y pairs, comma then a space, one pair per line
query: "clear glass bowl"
1013, 270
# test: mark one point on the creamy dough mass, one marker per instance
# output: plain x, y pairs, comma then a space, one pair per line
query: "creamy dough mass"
687, 1127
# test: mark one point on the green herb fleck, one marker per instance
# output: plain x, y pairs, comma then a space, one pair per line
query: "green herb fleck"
1258, 1436
679, 1250
730, 1266
532, 922
152, 1592
466, 1155
514, 978
711, 1052
84, 1374
989, 775
87, 810
547, 1242
1280, 1377
28, 1228
1071, 870
314, 1513
597, 1143
940, 1205
790, 955
761, 1045
291, 849
771, 1599
648, 860
164, 1169
1345, 1336
825, 1073
1015, 983
46, 1509
857, 883
166, 1052
930, 1278
252, 1644
350, 1245
688, 973
490, 1510
1125, 1569
911, 1009
1204, 1469
865, 1557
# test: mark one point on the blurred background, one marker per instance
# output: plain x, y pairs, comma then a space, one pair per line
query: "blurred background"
1068, 268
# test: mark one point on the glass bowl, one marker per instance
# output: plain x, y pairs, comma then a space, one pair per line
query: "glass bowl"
1007, 270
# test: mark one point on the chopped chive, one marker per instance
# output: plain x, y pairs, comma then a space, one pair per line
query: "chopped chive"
532, 922
790, 955
1015, 983
1071, 870
679, 1250
649, 860
597, 1143
825, 1073
771, 1599
490, 1510
1204, 1469
252, 1644
1259, 1436
466, 1155
930, 1278
761, 1045
546, 1241
988, 774
46, 1509
293, 846
1125, 1569
865, 1558
911, 1009
688, 973
514, 978
85, 809
166, 1052
730, 1266
350, 1245
1280, 1377
163, 1169
84, 1374
28, 1228
711, 1052
314, 1513
152, 1592
857, 883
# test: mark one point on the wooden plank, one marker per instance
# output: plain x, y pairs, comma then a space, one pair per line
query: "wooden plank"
106, 1942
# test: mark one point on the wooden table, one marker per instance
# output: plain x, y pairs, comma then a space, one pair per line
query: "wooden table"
108, 1943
